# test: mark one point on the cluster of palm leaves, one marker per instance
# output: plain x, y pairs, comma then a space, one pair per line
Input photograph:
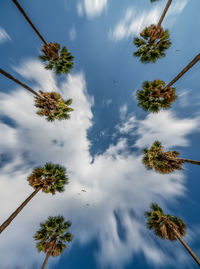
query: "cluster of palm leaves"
168, 227
152, 44
153, 40
57, 59
163, 224
52, 106
162, 162
52, 237
153, 97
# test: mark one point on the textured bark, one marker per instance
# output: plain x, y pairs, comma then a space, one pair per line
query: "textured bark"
29, 21
45, 261
164, 12
3, 72
18, 210
179, 237
193, 62
189, 161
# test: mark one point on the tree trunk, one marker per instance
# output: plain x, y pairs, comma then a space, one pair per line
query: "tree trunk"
189, 161
16, 212
29, 21
18, 82
187, 247
45, 261
193, 62
164, 12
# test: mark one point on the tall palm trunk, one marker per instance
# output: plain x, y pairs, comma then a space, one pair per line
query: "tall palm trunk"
3, 72
17, 211
29, 21
193, 62
187, 247
45, 261
189, 161
153, 36
164, 12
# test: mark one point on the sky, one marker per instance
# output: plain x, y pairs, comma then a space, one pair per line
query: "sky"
101, 145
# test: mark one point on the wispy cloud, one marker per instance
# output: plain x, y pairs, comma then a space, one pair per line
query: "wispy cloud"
184, 98
122, 111
134, 20
116, 182
72, 33
107, 102
159, 126
4, 36
92, 8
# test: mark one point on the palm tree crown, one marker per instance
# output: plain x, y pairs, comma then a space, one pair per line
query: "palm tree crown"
52, 106
162, 162
154, 97
60, 60
57, 59
168, 227
52, 235
49, 178
152, 44
164, 225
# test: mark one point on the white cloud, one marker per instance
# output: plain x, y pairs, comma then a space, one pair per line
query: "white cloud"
80, 9
164, 126
115, 181
92, 8
134, 20
133, 23
184, 98
128, 125
122, 111
72, 33
4, 36
107, 102
177, 7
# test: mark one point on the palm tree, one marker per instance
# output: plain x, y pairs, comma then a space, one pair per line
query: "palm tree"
163, 162
50, 104
153, 97
57, 59
153, 40
50, 178
61, 64
168, 227
156, 95
52, 237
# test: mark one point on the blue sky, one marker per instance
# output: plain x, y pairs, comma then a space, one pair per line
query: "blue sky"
101, 144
